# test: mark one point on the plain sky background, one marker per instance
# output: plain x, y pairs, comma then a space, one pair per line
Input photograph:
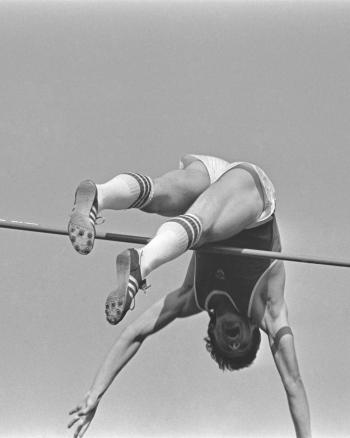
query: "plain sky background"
92, 89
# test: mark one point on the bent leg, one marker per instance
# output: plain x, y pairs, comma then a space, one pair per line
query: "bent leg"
176, 191
227, 207
168, 195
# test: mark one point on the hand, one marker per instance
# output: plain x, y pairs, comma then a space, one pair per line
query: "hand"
82, 416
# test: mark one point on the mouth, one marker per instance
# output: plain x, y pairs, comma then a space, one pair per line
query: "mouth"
234, 330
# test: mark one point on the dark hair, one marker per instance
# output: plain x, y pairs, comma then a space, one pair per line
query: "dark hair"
230, 363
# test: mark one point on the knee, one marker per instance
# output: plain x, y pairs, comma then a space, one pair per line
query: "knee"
171, 197
162, 201
153, 207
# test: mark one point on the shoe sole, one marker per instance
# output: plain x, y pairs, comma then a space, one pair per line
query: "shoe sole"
80, 229
118, 297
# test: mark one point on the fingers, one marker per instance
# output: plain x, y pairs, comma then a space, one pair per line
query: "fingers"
76, 409
81, 428
78, 429
78, 416
79, 412
81, 418
73, 421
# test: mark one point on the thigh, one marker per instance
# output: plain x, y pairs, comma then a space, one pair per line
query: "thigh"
229, 205
176, 191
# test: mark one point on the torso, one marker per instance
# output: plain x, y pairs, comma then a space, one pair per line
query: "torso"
243, 280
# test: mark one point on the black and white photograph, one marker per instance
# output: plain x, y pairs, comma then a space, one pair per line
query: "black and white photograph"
175, 218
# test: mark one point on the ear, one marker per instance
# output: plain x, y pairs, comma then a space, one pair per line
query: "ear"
211, 313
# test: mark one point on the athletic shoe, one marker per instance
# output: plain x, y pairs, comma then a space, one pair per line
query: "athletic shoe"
129, 281
81, 226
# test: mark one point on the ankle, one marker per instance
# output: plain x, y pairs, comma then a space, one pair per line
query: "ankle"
144, 269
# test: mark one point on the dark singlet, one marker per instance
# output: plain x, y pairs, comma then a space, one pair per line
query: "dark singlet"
235, 276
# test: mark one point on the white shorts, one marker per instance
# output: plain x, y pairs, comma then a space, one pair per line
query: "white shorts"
216, 167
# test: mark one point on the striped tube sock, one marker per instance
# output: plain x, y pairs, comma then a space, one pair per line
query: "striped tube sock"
173, 238
145, 190
193, 227
127, 190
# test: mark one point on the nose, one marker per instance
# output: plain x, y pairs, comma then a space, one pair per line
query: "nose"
235, 345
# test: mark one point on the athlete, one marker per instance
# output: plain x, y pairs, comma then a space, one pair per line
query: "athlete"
210, 200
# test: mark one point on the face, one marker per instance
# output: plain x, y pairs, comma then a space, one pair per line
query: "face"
233, 333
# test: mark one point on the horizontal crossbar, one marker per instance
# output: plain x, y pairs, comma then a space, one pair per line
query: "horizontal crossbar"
212, 248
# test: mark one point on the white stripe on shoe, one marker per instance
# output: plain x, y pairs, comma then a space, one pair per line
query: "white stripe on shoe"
93, 215
133, 285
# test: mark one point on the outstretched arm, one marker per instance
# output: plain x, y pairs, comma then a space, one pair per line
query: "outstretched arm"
282, 347
177, 304
285, 358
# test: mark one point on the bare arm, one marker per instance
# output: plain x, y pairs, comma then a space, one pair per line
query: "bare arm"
177, 304
283, 350
155, 318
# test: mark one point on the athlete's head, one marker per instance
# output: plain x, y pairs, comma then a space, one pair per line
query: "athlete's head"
233, 341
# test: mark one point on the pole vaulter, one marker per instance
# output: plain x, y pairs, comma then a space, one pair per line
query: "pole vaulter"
216, 249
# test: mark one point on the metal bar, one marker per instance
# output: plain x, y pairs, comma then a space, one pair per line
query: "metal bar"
216, 249
30, 226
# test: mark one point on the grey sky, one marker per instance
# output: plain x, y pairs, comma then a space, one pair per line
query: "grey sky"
92, 89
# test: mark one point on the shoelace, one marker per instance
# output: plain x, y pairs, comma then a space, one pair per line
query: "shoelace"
132, 305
